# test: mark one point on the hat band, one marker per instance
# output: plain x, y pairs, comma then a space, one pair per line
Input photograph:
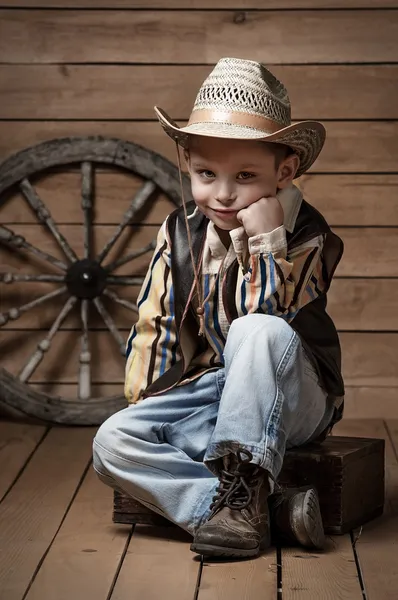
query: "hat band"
235, 118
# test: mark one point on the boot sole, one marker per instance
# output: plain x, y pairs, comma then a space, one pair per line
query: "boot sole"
306, 520
220, 551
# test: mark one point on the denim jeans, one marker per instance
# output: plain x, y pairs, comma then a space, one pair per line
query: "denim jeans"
267, 398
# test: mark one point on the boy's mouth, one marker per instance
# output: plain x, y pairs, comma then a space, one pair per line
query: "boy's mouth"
225, 213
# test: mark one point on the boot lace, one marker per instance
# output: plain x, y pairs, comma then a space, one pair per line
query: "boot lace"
234, 490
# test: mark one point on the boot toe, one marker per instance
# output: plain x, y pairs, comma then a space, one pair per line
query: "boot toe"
222, 540
223, 533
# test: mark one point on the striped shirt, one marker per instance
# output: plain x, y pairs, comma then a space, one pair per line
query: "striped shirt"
269, 281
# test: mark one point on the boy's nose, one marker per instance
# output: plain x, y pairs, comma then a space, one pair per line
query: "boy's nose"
225, 195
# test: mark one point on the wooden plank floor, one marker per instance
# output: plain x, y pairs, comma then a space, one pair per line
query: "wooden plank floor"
57, 540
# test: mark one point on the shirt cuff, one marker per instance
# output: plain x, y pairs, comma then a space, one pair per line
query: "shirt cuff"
274, 241
239, 239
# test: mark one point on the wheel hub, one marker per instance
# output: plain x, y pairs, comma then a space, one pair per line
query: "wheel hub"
86, 279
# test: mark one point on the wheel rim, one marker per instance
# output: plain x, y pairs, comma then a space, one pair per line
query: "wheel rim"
83, 281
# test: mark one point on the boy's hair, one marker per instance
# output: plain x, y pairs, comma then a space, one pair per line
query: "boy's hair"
280, 151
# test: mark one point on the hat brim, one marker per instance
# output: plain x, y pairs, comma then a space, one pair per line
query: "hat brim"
306, 138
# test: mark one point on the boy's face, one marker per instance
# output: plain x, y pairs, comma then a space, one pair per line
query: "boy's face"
229, 175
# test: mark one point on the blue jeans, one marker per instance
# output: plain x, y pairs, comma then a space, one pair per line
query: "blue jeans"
161, 451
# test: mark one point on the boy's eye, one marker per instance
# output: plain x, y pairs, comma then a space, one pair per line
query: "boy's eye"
206, 173
245, 175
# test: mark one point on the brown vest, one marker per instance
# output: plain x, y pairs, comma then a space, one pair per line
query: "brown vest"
312, 323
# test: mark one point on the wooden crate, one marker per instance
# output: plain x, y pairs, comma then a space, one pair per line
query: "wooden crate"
348, 473
130, 511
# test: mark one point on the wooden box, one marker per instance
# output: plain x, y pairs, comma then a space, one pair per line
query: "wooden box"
347, 472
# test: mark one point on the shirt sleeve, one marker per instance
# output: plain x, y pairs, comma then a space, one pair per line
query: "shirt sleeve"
152, 347
279, 284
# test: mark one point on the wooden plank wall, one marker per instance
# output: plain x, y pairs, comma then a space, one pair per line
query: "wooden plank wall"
77, 67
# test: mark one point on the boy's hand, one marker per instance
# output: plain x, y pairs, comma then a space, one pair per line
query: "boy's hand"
262, 216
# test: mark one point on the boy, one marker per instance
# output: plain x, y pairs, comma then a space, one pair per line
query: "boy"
233, 358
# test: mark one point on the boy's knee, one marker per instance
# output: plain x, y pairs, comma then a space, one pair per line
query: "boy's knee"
106, 436
258, 330
263, 325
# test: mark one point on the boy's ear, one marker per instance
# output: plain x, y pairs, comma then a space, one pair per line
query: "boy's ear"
287, 170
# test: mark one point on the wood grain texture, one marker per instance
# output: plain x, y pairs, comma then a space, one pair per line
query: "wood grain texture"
360, 402
61, 92
392, 478
61, 193
62, 362
133, 238
18, 442
195, 4
376, 252
150, 565
354, 200
351, 301
328, 575
57, 410
351, 147
93, 545
32, 512
131, 92
371, 403
368, 252
354, 305
333, 36
43, 316
364, 304
158, 564
369, 359
69, 390
372, 428
392, 428
248, 579
376, 544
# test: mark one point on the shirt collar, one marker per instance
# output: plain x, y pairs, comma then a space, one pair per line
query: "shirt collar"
216, 247
290, 199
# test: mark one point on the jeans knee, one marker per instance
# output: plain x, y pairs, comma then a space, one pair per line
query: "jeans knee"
263, 326
105, 439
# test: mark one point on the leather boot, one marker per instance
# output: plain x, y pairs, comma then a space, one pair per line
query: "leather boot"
296, 517
238, 525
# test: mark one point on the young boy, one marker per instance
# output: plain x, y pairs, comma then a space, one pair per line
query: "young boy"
233, 358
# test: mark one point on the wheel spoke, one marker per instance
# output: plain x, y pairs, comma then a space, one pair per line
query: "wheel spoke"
7, 236
85, 356
44, 345
14, 313
16, 277
109, 322
131, 256
44, 216
111, 294
87, 206
120, 280
136, 204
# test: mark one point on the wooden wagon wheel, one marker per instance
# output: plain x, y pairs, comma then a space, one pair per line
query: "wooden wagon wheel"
86, 279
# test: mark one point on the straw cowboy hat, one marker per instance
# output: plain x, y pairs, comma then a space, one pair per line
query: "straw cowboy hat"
241, 99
